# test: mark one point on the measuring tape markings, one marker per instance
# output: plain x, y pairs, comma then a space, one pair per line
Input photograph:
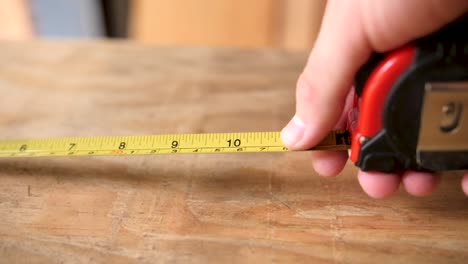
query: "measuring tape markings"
161, 144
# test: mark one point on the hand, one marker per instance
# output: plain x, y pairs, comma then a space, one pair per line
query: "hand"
350, 32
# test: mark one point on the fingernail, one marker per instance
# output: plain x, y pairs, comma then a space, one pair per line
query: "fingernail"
293, 132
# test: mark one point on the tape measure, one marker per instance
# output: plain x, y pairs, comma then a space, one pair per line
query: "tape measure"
162, 144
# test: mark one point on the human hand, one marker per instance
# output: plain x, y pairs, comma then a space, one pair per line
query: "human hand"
350, 32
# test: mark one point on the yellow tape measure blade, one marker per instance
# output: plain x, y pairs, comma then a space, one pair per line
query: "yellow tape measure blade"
160, 144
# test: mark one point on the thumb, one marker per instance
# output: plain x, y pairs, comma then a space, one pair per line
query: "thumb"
323, 85
350, 32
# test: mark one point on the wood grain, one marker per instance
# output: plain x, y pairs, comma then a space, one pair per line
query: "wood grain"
248, 208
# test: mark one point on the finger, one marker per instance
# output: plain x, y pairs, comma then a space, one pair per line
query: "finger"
379, 185
465, 184
329, 163
322, 87
420, 183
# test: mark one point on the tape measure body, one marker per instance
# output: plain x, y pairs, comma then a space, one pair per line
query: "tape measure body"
160, 144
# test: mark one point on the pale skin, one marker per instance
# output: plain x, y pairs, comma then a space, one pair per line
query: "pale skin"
351, 30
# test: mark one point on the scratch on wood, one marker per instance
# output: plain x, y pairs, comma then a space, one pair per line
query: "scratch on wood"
269, 205
118, 213
296, 211
29, 190
335, 225
333, 229
151, 215
275, 246
271, 227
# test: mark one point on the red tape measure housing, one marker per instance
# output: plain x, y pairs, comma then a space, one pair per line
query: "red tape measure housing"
375, 92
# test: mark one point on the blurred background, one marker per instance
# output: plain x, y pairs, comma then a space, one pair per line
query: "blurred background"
278, 24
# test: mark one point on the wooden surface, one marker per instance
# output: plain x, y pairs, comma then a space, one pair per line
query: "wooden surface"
287, 24
246, 208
